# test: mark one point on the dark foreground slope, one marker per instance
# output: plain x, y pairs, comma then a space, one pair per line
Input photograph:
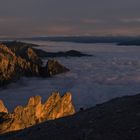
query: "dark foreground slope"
118, 119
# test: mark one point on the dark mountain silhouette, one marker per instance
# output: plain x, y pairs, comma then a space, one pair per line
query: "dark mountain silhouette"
89, 39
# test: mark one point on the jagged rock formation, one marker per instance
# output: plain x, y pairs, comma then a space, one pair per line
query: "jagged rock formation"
118, 119
53, 67
35, 112
23, 61
12, 66
2, 107
24, 50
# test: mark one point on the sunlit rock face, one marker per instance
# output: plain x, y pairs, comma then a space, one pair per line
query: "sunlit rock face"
35, 112
12, 66
2, 107
7, 63
23, 61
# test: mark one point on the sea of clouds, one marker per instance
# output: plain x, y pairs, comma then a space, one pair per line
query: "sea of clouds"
112, 71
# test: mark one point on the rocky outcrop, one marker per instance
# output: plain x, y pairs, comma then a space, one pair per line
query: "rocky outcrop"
23, 61
118, 119
32, 56
8, 62
24, 50
53, 68
12, 66
2, 107
70, 53
35, 112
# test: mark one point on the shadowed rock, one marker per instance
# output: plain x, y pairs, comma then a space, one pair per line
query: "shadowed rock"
35, 112
70, 53
53, 68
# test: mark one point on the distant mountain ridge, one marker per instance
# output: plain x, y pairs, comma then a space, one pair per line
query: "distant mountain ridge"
87, 39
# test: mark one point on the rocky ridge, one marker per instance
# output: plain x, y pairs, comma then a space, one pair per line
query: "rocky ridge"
15, 63
35, 112
70, 53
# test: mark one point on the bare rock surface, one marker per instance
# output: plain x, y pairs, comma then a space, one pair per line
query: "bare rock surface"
2, 107
12, 66
53, 68
35, 112
17, 61
118, 119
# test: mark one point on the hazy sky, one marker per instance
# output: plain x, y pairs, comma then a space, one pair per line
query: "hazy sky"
69, 17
